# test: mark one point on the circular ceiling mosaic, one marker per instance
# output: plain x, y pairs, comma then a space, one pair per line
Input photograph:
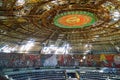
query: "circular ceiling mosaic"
75, 19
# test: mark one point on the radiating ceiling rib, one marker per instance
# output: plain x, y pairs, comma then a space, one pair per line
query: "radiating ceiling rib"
100, 2
35, 7
20, 32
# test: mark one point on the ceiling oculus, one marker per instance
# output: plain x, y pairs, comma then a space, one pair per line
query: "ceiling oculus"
75, 19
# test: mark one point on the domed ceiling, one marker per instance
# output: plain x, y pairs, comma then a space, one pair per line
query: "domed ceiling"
77, 22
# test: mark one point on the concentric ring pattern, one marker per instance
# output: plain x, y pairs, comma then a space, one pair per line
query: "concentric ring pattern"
74, 19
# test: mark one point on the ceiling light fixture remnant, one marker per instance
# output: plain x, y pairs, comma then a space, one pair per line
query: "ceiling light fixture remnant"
115, 15
20, 2
88, 46
97, 36
84, 57
84, 53
61, 2
117, 26
81, 60
55, 2
117, 48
